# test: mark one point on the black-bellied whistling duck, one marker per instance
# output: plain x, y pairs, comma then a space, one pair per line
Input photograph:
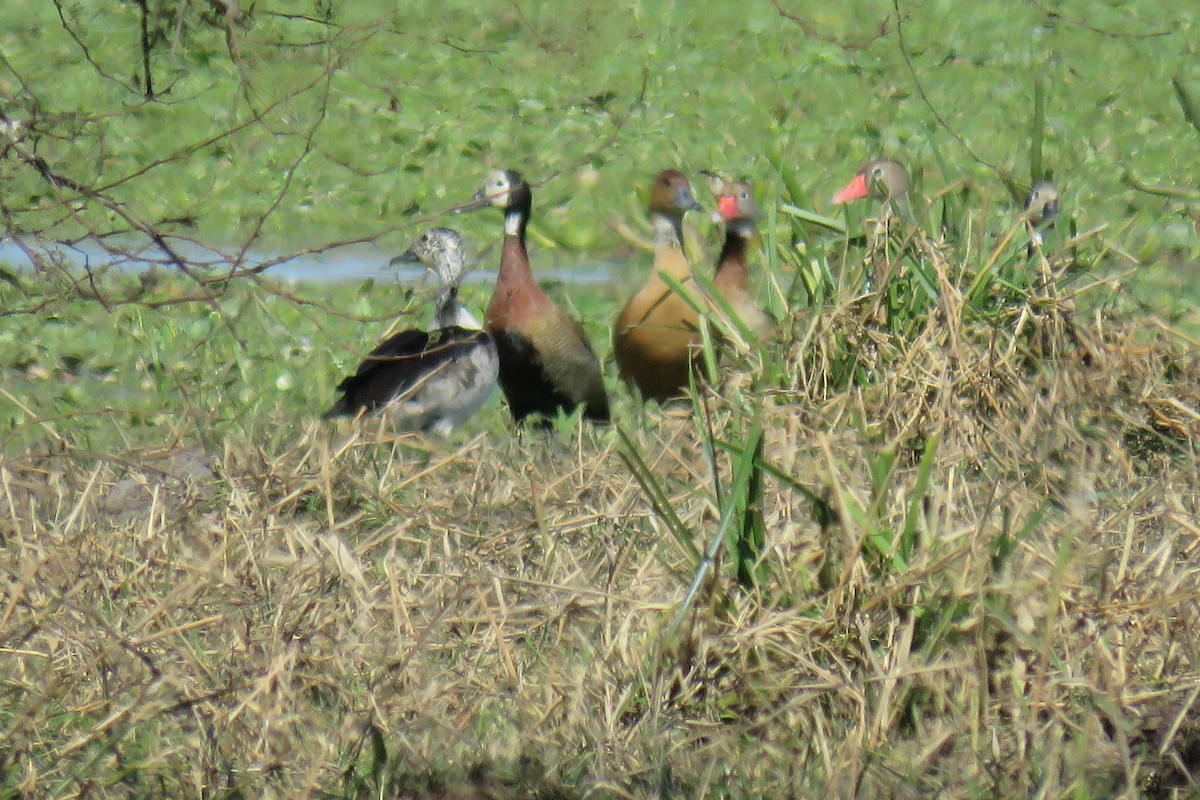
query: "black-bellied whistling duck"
736, 206
428, 380
885, 180
546, 360
657, 332
1041, 208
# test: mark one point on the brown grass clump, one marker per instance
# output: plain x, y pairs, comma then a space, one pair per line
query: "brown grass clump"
978, 579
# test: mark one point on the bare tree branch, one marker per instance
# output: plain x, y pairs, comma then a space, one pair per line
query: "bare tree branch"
878, 32
1079, 23
941, 121
87, 54
147, 74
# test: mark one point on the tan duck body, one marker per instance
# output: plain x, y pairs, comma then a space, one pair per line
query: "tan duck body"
546, 360
656, 335
736, 206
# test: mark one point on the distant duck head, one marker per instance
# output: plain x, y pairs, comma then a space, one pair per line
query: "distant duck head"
442, 251
1042, 203
1041, 210
735, 203
883, 179
671, 194
507, 190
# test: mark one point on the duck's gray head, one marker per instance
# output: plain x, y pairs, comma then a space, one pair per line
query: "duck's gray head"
1042, 203
440, 249
885, 179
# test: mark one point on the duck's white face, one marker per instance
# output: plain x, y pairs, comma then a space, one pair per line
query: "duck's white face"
1042, 202
495, 188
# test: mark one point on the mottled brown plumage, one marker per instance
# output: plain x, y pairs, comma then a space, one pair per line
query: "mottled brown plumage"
546, 360
656, 335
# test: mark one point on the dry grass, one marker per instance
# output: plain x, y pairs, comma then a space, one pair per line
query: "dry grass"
367, 616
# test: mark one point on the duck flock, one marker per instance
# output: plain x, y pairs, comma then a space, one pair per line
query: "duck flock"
434, 380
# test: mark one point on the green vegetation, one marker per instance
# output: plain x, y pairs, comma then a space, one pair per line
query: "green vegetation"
367, 118
935, 538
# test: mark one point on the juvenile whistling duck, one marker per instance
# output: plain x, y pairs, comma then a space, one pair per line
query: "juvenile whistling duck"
428, 380
1041, 208
546, 360
657, 332
736, 207
885, 180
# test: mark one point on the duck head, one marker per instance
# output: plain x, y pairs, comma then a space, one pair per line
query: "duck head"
500, 188
507, 190
440, 249
735, 202
883, 179
671, 194
503, 188
1042, 203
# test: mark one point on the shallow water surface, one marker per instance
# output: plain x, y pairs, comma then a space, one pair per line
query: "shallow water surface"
340, 264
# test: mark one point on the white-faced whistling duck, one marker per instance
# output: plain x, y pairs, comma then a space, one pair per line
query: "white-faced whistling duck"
546, 360
1041, 209
656, 335
885, 180
736, 206
428, 380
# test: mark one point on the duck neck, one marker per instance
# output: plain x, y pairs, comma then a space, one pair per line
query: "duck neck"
731, 266
896, 207
514, 224
516, 214
668, 230
515, 279
448, 309
514, 259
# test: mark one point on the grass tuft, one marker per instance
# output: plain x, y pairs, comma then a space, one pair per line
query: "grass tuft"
951, 547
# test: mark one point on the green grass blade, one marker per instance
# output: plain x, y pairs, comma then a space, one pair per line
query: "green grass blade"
951, 222
829, 223
916, 502
655, 493
700, 414
823, 513
748, 542
722, 535
1037, 124
980, 285
1191, 112
776, 298
739, 330
1005, 543
795, 190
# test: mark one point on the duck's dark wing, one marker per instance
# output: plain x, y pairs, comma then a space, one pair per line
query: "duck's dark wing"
398, 364
541, 374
